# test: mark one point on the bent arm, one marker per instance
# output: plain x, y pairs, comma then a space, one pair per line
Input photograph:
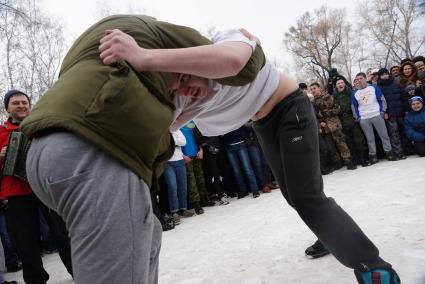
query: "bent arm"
209, 61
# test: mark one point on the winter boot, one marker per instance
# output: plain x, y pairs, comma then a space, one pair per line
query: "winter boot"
390, 156
350, 165
362, 158
186, 213
378, 276
373, 159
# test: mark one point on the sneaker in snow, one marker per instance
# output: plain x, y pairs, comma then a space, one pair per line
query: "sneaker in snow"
176, 218
317, 250
223, 200
186, 213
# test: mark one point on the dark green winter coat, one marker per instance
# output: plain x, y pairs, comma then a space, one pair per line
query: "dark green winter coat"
343, 99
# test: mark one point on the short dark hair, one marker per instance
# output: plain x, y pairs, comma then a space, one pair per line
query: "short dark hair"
363, 74
315, 84
392, 67
418, 58
302, 86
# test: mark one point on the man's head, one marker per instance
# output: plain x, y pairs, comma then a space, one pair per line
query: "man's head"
17, 104
384, 74
340, 85
373, 75
189, 86
416, 103
395, 70
315, 89
303, 87
420, 66
361, 80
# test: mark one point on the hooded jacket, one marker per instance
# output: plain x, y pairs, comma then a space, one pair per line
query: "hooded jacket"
414, 125
393, 94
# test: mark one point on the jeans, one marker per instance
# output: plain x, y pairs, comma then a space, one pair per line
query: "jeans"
175, 177
241, 165
10, 255
259, 164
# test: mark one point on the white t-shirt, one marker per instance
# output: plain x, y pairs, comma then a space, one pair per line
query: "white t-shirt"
227, 108
368, 104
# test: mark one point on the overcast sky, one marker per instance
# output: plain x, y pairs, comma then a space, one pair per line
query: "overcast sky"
268, 19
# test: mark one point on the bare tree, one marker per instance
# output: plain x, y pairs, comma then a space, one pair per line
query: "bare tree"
315, 40
392, 26
31, 48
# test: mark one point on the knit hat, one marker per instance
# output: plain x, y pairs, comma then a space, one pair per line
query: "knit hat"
383, 71
416, 99
410, 88
11, 93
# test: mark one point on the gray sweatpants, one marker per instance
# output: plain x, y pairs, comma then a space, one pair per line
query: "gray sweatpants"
115, 238
378, 122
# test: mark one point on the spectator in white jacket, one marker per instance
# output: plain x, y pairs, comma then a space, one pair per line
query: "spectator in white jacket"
175, 177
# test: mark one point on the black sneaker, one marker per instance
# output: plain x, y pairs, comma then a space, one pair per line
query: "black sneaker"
176, 218
242, 195
167, 226
373, 159
390, 156
256, 194
186, 213
207, 203
198, 209
401, 157
350, 165
317, 250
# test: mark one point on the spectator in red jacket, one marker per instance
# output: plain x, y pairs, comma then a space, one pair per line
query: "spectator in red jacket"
22, 206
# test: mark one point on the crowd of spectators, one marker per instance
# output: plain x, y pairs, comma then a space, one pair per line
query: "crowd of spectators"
380, 115
209, 171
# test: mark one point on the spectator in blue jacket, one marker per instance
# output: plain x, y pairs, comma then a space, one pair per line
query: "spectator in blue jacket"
393, 93
414, 125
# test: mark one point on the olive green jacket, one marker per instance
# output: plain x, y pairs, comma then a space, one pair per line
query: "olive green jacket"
124, 112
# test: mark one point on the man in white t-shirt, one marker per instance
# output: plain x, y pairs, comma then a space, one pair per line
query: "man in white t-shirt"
284, 121
368, 109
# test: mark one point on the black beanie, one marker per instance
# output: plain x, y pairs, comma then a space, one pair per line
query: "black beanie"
11, 93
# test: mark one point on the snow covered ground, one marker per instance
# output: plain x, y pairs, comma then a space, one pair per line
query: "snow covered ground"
258, 241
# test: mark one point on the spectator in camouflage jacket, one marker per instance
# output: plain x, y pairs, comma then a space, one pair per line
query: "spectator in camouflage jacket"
354, 136
328, 115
